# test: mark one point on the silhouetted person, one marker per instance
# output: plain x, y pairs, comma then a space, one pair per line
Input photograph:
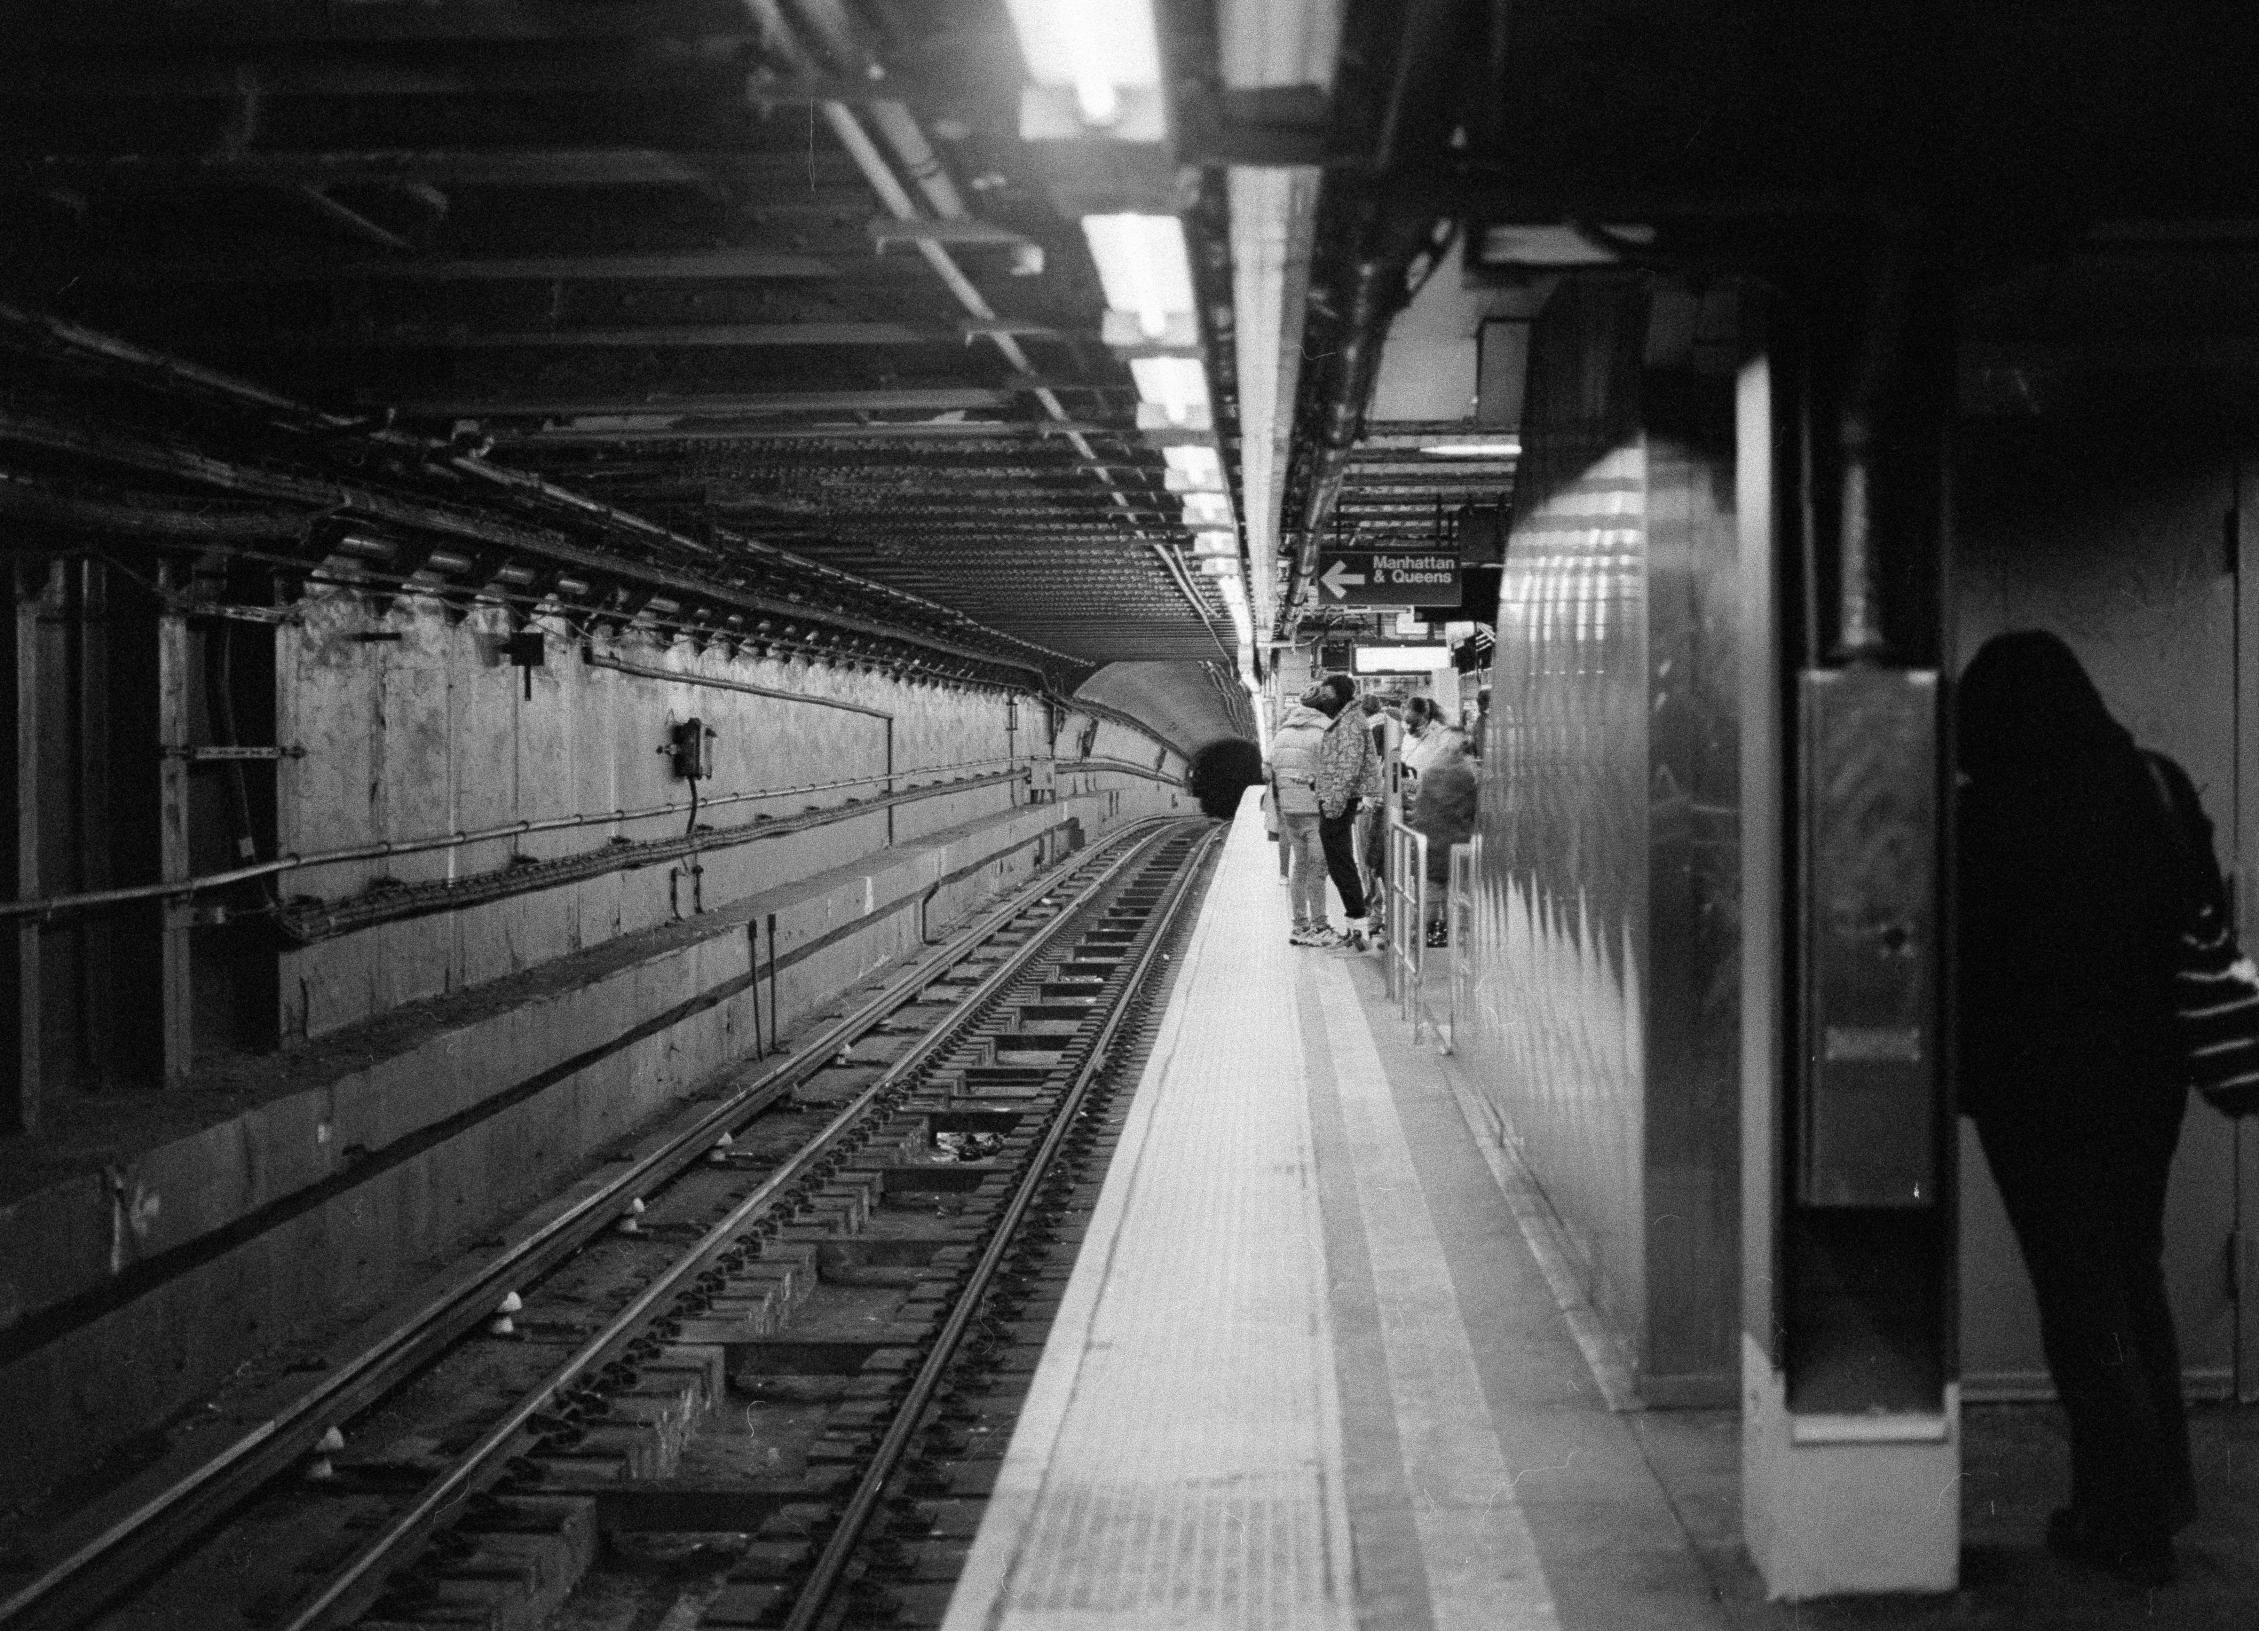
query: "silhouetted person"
2070, 897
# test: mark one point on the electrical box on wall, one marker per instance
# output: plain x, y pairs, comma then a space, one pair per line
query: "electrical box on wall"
690, 747
1867, 1117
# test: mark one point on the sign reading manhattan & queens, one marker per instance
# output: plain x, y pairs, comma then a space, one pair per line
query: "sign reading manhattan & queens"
1369, 578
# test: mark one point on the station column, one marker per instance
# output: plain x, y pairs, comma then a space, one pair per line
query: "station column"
1851, 1417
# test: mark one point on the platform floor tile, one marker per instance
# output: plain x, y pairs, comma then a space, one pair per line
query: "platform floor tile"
1179, 1463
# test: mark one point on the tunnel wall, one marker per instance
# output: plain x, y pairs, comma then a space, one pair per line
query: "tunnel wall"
430, 730
1606, 1021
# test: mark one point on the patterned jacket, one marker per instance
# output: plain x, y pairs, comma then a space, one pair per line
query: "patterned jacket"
1347, 765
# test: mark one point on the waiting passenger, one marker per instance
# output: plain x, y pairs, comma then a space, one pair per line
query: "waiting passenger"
1444, 810
1387, 727
1294, 795
1424, 732
1349, 776
2070, 908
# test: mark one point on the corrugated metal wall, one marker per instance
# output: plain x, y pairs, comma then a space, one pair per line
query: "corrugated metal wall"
1605, 1022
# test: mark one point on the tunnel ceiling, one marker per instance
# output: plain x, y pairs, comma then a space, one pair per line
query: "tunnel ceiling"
1189, 705
642, 251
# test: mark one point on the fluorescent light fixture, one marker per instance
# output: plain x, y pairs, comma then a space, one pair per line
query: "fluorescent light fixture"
1094, 47
1235, 602
1172, 425
1207, 510
1143, 265
1402, 659
1216, 543
1178, 386
1202, 467
1495, 447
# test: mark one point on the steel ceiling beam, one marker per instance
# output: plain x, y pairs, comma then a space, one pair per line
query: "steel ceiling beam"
930, 399
751, 265
444, 167
845, 438
721, 336
634, 68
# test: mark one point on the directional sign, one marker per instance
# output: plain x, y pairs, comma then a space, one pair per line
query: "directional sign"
1364, 578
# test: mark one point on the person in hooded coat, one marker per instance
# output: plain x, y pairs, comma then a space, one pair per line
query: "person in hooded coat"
1295, 748
2071, 896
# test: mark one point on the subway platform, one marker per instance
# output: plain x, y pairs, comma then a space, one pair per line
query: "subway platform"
1320, 1365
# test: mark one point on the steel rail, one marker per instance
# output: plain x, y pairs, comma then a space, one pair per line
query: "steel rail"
823, 1577
126, 1549
353, 1578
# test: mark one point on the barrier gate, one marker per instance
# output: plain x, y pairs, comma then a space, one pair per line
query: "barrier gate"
1405, 889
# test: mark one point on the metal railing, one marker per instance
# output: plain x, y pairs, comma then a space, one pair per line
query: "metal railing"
1404, 888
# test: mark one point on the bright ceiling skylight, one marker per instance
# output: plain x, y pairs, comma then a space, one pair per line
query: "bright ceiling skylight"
1202, 467
1143, 265
1097, 48
1176, 385
1492, 447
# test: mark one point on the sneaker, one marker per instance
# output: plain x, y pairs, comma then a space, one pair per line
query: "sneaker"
1352, 937
1323, 937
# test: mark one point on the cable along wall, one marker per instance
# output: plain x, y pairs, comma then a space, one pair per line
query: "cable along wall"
427, 730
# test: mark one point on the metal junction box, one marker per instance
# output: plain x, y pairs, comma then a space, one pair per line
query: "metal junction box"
1867, 1114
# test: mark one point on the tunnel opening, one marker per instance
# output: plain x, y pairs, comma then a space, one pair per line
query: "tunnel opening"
1222, 771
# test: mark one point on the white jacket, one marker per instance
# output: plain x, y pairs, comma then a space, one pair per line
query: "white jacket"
1294, 759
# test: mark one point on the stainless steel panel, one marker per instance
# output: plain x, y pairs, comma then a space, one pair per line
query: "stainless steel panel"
1602, 1012
1693, 1086
1561, 932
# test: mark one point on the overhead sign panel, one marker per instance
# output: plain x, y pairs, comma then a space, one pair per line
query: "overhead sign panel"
1366, 578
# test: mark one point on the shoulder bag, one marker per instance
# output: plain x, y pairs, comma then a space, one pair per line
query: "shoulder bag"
2215, 987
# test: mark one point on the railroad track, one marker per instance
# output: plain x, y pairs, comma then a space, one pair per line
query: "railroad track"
756, 1330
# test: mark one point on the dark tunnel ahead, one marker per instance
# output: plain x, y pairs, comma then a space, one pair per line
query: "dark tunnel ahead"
1223, 770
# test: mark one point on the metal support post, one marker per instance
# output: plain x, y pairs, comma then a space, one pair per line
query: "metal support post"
32, 587
176, 986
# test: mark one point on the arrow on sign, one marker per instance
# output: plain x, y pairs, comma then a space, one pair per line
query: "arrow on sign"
1339, 578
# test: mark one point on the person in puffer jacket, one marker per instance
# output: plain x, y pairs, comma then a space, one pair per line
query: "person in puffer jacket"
1294, 794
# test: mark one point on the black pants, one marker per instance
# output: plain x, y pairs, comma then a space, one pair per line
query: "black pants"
1339, 836
2089, 1213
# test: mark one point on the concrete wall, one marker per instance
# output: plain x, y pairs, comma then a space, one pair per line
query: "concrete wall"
429, 730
